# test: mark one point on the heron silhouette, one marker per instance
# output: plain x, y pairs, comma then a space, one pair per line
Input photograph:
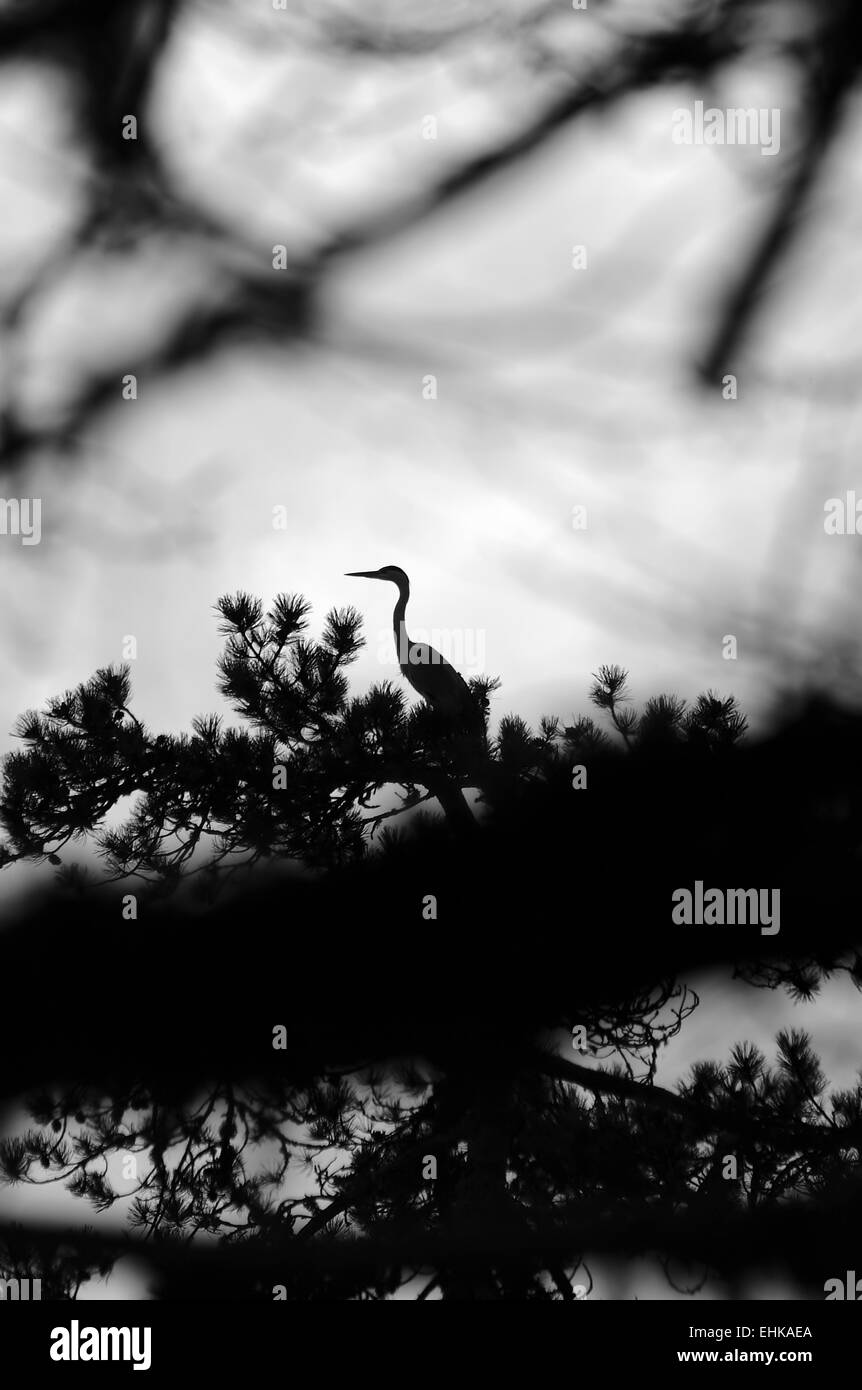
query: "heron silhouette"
429, 673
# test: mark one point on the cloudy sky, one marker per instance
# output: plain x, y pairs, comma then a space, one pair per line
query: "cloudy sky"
555, 388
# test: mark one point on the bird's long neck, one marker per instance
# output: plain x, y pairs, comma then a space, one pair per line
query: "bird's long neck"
399, 626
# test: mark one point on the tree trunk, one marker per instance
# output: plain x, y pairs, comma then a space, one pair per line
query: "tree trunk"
451, 798
474, 1108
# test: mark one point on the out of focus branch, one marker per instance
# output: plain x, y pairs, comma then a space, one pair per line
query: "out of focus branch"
804, 1236
113, 49
834, 66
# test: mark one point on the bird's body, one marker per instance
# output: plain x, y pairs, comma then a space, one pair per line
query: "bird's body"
429, 673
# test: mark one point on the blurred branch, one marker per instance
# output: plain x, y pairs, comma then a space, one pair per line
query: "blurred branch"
112, 49
833, 68
742, 1240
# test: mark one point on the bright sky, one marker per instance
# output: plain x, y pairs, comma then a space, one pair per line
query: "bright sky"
556, 388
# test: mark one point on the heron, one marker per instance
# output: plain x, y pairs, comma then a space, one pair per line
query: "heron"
429, 673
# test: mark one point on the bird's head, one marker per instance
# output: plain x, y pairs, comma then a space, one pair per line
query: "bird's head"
391, 572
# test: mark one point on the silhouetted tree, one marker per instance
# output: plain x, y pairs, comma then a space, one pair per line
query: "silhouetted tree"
294, 782
418, 1117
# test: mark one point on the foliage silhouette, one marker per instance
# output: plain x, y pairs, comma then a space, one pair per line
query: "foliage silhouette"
295, 780
414, 1033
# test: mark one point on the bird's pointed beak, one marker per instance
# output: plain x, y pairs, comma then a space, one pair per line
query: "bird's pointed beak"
362, 574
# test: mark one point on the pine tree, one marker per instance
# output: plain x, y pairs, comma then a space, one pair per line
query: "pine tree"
427, 1120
